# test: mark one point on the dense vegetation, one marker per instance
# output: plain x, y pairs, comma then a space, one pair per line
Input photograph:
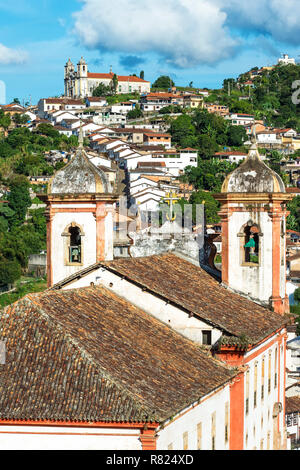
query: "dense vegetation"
206, 132
270, 97
23, 151
23, 231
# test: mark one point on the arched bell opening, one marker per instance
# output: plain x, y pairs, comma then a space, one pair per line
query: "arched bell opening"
73, 245
250, 244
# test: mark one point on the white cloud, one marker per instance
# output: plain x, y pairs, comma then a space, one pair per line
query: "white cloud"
184, 32
278, 19
12, 56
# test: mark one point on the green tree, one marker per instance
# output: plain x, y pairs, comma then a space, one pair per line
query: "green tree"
48, 130
297, 295
229, 84
164, 81
293, 220
20, 118
19, 199
5, 120
237, 135
183, 131
10, 271
135, 113
210, 204
115, 83
102, 90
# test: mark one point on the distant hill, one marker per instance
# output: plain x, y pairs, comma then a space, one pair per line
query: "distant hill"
268, 95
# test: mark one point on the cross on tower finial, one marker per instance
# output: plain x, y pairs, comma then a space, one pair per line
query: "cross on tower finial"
170, 199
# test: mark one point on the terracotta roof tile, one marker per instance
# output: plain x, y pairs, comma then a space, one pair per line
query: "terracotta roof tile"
88, 355
292, 404
196, 291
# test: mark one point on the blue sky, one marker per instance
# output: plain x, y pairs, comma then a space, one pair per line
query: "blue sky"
203, 41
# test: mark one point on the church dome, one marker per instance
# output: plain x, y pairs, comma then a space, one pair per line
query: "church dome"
253, 176
80, 176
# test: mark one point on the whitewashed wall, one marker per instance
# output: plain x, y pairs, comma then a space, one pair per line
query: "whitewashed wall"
187, 422
68, 438
258, 421
60, 221
251, 280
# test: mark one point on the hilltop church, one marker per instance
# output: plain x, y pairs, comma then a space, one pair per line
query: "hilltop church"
152, 352
81, 83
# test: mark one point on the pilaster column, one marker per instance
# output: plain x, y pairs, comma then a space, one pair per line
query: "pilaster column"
236, 437
225, 214
148, 439
49, 219
277, 302
100, 232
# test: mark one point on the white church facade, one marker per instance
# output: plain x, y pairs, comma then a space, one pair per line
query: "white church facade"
81, 83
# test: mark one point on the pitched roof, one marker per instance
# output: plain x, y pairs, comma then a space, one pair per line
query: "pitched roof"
96, 98
121, 78
88, 355
151, 164
293, 190
292, 404
192, 289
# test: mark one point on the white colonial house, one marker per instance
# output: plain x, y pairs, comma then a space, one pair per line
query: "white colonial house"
122, 108
238, 119
96, 101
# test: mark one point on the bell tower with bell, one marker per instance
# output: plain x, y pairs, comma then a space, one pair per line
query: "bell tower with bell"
80, 208
253, 213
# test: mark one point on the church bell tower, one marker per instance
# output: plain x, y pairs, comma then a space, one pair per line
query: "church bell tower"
253, 213
82, 78
80, 210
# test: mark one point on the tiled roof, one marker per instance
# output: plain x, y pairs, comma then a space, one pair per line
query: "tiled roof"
194, 290
151, 164
292, 404
293, 190
295, 274
88, 355
232, 153
121, 78
96, 98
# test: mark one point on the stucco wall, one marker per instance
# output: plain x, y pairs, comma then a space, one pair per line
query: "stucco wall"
251, 280
259, 421
187, 422
67, 438
60, 221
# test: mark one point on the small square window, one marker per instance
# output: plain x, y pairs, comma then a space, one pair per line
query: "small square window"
206, 337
